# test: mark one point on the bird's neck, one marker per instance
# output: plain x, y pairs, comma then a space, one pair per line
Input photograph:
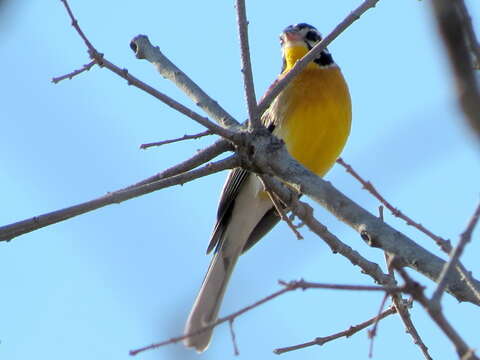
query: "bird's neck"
291, 55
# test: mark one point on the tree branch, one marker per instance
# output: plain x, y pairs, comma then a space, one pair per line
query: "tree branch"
305, 213
143, 49
288, 287
248, 85
270, 156
313, 53
11, 231
74, 73
444, 244
346, 333
463, 350
132, 80
171, 141
451, 22
454, 258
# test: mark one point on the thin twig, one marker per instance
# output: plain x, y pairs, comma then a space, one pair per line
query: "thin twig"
410, 328
236, 352
445, 245
373, 331
170, 141
287, 287
132, 80
280, 209
454, 258
200, 158
313, 53
74, 73
11, 231
248, 85
77, 27
305, 213
468, 278
402, 307
202, 120
416, 290
143, 49
346, 333
212, 325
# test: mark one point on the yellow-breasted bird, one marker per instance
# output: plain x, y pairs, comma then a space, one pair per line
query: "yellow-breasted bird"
312, 115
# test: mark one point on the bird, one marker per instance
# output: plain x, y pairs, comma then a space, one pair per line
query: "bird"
312, 115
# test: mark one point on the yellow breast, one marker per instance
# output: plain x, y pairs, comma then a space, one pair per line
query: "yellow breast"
313, 115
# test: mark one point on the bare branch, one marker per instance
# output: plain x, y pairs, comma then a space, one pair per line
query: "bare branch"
346, 333
247, 65
143, 49
288, 287
236, 352
313, 53
467, 277
373, 331
11, 231
305, 213
469, 32
271, 157
77, 27
454, 258
198, 159
170, 141
451, 22
101, 61
402, 307
280, 209
74, 73
132, 80
444, 244
463, 350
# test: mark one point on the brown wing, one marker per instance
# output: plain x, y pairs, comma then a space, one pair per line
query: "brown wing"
233, 185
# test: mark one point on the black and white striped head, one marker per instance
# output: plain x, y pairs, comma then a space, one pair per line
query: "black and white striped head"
306, 35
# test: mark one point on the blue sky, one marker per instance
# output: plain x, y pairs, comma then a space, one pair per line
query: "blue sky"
125, 276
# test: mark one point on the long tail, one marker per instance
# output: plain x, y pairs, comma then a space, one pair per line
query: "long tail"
208, 301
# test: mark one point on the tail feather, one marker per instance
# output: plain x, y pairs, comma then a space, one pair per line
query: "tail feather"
207, 304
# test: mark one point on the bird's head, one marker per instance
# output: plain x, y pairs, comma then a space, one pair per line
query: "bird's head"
297, 40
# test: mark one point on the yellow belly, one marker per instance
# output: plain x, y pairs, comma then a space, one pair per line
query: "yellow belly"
313, 116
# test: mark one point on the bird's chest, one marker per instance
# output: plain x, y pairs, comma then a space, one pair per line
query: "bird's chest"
312, 116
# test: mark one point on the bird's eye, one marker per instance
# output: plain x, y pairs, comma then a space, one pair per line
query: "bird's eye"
313, 36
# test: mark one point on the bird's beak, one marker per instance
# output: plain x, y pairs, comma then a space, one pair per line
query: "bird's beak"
291, 36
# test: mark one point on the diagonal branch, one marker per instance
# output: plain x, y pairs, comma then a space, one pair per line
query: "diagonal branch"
74, 73
346, 333
444, 244
143, 49
271, 157
11, 231
402, 307
171, 141
451, 27
463, 350
198, 159
249, 87
312, 54
454, 259
288, 287
469, 32
305, 213
132, 80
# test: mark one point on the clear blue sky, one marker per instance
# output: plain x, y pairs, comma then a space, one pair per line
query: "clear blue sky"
125, 276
